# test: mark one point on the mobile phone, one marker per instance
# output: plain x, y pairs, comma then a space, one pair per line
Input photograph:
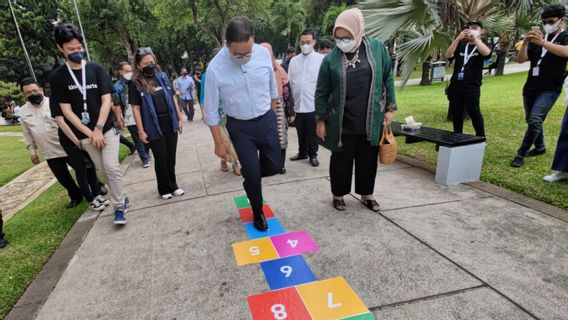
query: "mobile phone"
535, 28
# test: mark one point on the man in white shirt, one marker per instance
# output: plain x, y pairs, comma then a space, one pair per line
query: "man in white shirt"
242, 77
303, 74
40, 133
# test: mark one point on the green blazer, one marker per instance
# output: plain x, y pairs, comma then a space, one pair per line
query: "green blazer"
330, 93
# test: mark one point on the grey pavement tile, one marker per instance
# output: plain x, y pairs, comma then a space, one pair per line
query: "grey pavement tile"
477, 304
514, 249
381, 262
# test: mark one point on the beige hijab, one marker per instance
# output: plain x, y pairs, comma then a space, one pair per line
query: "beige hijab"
279, 72
352, 21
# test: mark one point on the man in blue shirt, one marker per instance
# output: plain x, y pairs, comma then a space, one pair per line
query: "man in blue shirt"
184, 86
241, 76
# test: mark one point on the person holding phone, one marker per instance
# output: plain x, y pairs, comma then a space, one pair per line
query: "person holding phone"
158, 118
464, 90
548, 55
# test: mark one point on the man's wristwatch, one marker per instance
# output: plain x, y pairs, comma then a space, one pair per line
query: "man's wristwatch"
99, 126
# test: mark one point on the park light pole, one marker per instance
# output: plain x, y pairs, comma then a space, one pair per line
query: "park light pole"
81, 27
22, 41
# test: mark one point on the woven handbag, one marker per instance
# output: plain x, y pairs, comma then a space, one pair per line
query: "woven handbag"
387, 146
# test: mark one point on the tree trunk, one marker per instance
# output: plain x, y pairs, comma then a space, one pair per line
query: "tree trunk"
425, 74
501, 57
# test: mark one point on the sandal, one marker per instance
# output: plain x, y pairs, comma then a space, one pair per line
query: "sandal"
236, 170
224, 166
372, 204
339, 204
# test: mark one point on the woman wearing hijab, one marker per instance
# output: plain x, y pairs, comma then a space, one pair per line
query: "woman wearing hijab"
354, 98
158, 118
282, 122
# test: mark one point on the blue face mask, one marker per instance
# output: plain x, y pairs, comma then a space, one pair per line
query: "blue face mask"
76, 56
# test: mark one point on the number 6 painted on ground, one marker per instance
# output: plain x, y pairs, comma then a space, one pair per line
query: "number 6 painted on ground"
287, 270
254, 251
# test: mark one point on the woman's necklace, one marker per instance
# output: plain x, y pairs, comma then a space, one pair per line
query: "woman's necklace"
353, 62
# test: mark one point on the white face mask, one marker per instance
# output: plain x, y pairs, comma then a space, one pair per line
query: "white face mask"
475, 33
551, 28
307, 48
128, 76
346, 45
241, 60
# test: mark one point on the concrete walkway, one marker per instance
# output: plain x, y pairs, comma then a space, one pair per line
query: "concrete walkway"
433, 253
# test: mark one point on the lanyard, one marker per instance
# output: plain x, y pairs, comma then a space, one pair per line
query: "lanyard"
466, 56
544, 50
81, 88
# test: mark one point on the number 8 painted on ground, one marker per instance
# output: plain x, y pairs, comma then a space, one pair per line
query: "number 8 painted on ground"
279, 312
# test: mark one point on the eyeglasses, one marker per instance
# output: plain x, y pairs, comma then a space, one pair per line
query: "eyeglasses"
143, 51
344, 40
242, 55
550, 21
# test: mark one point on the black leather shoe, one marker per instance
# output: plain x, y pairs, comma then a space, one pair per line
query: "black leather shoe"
102, 190
314, 162
283, 171
517, 162
259, 222
298, 157
74, 203
3, 243
535, 152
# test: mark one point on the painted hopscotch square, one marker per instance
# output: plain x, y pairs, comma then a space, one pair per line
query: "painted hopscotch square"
287, 272
331, 299
294, 243
254, 251
243, 202
365, 316
274, 228
280, 304
246, 213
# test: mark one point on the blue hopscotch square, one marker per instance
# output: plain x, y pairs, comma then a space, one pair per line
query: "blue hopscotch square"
287, 272
274, 228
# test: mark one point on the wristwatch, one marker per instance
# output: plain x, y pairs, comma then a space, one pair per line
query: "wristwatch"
99, 126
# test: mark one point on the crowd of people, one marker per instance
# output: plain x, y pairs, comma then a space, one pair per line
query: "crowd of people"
339, 97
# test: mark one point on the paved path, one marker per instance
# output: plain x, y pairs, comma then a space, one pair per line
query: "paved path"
434, 252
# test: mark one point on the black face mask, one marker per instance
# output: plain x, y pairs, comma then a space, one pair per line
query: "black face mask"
149, 70
35, 98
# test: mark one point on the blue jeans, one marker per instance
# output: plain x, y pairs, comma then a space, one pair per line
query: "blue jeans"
537, 107
560, 162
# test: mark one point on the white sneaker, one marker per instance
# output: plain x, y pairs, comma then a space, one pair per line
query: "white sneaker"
167, 196
179, 192
145, 165
555, 177
96, 205
102, 200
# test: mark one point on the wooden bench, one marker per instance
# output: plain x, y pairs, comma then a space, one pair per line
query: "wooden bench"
460, 156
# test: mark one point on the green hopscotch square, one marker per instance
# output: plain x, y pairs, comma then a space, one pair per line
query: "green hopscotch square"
242, 202
364, 316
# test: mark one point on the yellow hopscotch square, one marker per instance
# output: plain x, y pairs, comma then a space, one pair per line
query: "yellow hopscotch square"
331, 299
254, 251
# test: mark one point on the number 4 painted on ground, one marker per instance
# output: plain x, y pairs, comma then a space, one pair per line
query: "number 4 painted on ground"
292, 243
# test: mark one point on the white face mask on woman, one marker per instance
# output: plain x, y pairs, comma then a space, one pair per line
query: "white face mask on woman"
345, 45
128, 76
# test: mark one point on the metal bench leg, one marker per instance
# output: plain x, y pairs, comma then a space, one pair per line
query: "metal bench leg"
459, 164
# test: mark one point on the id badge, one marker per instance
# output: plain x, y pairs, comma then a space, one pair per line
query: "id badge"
460, 76
535, 71
85, 118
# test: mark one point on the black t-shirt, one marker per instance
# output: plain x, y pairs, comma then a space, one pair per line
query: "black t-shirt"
551, 70
357, 94
472, 71
64, 90
158, 97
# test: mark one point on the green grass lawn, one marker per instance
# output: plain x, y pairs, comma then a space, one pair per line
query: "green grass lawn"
11, 128
34, 233
501, 106
14, 158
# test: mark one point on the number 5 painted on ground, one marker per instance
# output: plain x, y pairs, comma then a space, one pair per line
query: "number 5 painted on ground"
330, 303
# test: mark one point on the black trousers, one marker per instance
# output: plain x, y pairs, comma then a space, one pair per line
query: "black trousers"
187, 107
466, 100
258, 148
59, 169
164, 150
1, 227
355, 148
306, 126
126, 142
85, 170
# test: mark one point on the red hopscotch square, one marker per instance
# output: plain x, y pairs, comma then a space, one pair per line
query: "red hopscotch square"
246, 213
279, 304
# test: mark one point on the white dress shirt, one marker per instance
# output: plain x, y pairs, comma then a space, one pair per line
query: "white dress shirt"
40, 130
244, 92
303, 75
